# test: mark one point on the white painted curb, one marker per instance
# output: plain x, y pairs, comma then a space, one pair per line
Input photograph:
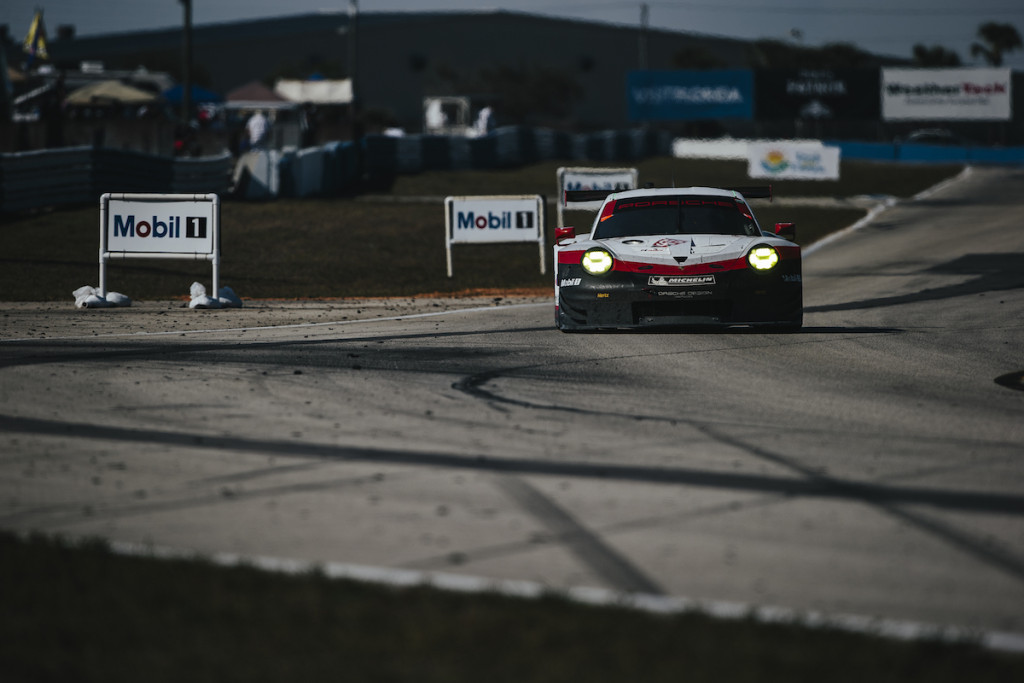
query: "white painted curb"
894, 629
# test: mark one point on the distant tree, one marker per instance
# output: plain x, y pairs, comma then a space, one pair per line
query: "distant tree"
935, 56
843, 55
777, 54
995, 40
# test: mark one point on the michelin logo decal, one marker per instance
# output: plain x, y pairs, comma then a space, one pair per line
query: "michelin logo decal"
681, 280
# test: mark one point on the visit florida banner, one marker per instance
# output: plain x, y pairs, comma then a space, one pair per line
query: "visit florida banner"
690, 95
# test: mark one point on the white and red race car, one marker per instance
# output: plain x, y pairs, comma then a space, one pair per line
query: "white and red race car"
684, 257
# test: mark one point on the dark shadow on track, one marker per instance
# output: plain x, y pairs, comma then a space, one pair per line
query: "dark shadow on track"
824, 485
1012, 380
742, 330
821, 487
996, 273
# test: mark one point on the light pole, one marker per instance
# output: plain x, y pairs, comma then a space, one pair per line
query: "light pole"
186, 63
353, 74
642, 59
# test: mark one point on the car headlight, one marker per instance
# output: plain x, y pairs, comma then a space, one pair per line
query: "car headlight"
597, 261
762, 258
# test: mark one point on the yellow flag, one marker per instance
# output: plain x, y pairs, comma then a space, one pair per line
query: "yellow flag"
35, 41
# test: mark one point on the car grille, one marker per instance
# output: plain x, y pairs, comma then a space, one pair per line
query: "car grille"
683, 311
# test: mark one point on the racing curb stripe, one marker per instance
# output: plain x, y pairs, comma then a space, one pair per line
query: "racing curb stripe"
872, 214
883, 205
895, 629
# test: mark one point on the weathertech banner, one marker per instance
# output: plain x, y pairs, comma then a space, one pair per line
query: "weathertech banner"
690, 95
946, 94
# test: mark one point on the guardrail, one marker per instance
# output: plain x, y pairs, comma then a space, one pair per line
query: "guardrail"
81, 175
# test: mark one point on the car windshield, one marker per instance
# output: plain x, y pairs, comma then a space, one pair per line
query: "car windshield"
675, 215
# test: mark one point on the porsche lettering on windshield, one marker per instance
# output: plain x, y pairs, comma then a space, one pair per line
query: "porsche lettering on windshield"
675, 215
672, 201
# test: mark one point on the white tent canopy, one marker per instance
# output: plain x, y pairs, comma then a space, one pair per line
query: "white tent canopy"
316, 92
109, 92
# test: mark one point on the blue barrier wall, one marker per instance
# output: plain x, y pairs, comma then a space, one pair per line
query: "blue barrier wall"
929, 154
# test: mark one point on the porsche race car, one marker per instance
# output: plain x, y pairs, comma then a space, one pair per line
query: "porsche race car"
689, 257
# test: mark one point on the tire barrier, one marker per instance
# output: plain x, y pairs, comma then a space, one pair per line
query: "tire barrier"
333, 169
81, 175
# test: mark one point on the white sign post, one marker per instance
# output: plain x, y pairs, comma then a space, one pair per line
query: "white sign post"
595, 178
159, 226
494, 219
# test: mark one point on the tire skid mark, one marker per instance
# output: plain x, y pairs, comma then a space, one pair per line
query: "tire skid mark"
821, 486
501, 550
825, 485
72, 513
587, 546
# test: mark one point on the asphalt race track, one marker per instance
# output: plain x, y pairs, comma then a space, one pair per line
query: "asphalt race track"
872, 464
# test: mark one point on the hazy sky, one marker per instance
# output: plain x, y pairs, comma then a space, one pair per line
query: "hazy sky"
890, 27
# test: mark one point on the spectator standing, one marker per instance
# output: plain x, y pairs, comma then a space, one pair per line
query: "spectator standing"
258, 129
485, 121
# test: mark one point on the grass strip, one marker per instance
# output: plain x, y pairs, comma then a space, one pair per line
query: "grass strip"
376, 246
77, 611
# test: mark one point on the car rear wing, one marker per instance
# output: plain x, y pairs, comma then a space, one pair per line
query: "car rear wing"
754, 191
581, 196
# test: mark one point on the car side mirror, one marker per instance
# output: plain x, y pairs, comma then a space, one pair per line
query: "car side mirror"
786, 231
565, 234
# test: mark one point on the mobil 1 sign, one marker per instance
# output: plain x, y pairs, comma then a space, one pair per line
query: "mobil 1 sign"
170, 224
159, 226
494, 219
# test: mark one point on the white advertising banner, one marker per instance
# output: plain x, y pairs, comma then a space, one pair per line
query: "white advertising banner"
582, 178
793, 161
166, 226
587, 178
946, 94
494, 219
159, 226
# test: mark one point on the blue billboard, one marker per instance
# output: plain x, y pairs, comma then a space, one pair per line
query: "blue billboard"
689, 95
